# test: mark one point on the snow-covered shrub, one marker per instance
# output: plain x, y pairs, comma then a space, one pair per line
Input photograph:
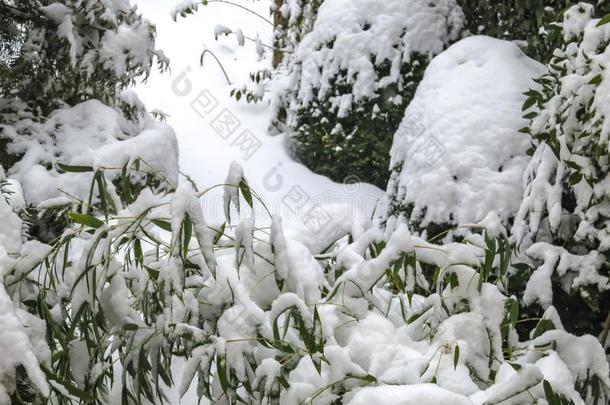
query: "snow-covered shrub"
458, 154
74, 50
261, 319
292, 20
63, 108
59, 155
526, 21
57, 159
351, 78
562, 225
331, 138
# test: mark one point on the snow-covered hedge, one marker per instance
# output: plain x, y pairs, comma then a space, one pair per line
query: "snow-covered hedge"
260, 318
563, 219
458, 154
351, 78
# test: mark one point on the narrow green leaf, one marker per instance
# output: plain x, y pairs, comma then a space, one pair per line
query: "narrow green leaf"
597, 79
603, 21
549, 393
85, 219
166, 226
220, 232
529, 102
543, 326
456, 356
75, 169
245, 191
137, 249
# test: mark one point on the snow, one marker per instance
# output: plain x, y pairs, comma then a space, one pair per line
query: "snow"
288, 188
16, 347
467, 109
88, 134
422, 394
375, 348
585, 269
390, 30
10, 232
575, 153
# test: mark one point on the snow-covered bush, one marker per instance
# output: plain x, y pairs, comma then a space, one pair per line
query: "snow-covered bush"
335, 140
292, 20
63, 108
59, 155
528, 22
458, 154
74, 50
351, 78
260, 318
562, 225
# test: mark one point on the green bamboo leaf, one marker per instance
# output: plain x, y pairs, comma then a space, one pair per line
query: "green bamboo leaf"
220, 232
603, 21
597, 79
222, 374
137, 249
85, 219
543, 326
456, 356
187, 231
75, 169
166, 226
514, 312
529, 102
245, 191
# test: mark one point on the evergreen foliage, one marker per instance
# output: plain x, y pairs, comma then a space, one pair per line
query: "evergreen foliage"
562, 223
329, 149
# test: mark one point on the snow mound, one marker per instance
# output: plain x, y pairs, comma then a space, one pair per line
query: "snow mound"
458, 153
421, 394
89, 134
357, 36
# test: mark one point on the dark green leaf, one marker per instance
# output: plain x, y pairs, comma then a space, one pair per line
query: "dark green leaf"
245, 191
166, 226
75, 169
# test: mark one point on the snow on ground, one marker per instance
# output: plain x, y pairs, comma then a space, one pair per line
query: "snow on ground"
213, 129
460, 143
